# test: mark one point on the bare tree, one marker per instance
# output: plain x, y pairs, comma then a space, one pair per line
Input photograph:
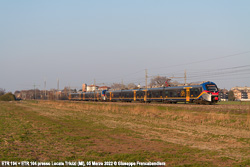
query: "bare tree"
159, 81
2, 91
174, 83
132, 86
117, 86
65, 93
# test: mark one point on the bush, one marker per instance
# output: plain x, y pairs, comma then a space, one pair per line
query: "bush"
231, 96
7, 97
2, 91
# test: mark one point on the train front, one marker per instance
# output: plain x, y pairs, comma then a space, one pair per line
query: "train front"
104, 97
211, 92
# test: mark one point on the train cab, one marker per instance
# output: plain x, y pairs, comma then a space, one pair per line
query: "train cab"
210, 92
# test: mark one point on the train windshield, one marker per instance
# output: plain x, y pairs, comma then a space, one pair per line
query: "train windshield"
212, 88
103, 92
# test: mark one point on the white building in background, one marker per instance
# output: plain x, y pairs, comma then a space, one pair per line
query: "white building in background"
241, 88
104, 88
92, 88
241, 93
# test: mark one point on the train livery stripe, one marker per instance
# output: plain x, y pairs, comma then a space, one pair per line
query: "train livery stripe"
201, 94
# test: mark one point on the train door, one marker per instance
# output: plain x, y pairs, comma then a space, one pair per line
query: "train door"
83, 96
97, 96
145, 95
187, 93
134, 95
149, 95
110, 98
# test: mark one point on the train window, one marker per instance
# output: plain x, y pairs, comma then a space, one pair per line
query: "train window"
155, 94
149, 94
166, 93
178, 93
196, 93
192, 92
212, 88
175, 93
170, 93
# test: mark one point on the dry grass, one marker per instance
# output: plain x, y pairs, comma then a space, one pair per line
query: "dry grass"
222, 116
213, 135
248, 119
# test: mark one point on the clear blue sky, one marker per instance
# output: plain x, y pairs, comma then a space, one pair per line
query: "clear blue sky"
79, 41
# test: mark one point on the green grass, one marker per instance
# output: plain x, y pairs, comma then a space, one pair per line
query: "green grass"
234, 103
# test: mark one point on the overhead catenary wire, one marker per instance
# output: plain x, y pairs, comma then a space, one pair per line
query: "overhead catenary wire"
219, 73
200, 61
236, 69
179, 75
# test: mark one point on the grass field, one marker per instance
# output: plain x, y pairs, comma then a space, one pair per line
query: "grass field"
179, 135
235, 102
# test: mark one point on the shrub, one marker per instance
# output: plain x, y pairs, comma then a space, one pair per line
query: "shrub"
231, 96
2, 91
7, 97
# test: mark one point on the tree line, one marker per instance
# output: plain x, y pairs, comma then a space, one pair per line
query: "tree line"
156, 81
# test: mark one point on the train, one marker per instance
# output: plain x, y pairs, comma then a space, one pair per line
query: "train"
203, 93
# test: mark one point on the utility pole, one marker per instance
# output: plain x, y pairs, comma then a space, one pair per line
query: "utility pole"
35, 89
57, 88
185, 77
57, 84
44, 89
122, 84
94, 89
146, 83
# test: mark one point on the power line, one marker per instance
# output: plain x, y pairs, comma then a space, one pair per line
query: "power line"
200, 61
243, 71
193, 74
220, 69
